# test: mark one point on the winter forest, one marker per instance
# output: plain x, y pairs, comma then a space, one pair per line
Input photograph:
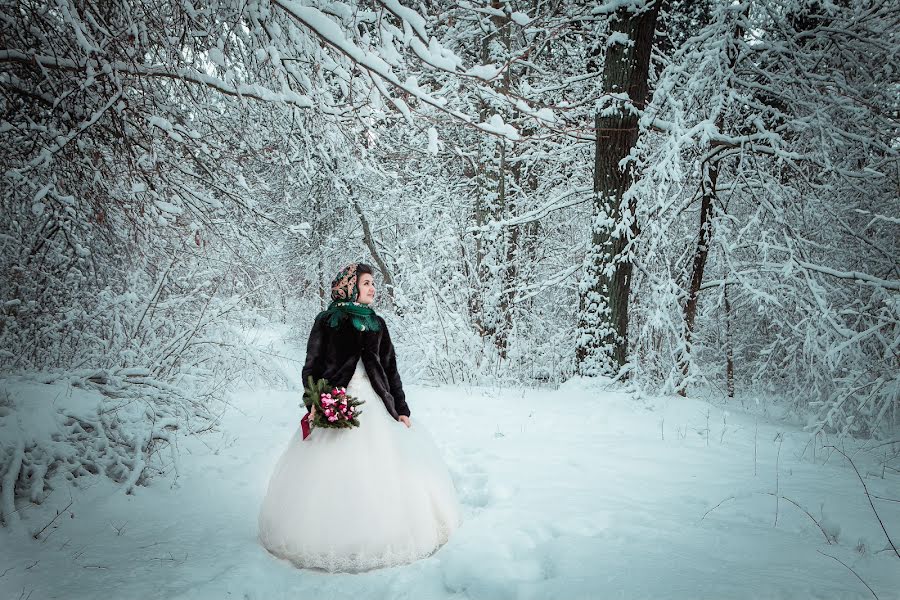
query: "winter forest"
655, 204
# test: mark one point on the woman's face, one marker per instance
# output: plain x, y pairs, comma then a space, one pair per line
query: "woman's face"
366, 286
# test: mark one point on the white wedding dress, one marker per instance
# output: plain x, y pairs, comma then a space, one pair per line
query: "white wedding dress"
351, 500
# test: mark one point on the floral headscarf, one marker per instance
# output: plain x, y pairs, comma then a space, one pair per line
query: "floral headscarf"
343, 287
344, 302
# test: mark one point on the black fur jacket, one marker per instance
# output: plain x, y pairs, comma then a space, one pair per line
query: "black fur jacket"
332, 354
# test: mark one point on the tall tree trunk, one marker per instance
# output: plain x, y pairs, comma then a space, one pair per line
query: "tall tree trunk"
708, 195
603, 320
495, 251
708, 181
729, 350
509, 170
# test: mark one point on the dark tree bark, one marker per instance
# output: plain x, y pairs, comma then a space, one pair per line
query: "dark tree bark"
603, 320
707, 197
493, 316
729, 349
708, 181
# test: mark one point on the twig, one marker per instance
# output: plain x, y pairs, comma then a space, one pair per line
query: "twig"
886, 499
119, 530
58, 512
851, 570
827, 538
872, 504
707, 428
777, 460
715, 507
825, 533
755, 436
887, 443
171, 558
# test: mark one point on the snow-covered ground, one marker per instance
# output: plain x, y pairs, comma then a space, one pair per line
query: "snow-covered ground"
571, 493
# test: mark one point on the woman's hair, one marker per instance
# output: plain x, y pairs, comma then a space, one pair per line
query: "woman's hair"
363, 268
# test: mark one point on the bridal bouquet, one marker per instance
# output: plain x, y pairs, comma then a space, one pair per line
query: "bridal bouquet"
335, 409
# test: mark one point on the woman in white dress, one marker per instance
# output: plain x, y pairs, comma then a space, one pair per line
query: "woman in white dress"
374, 496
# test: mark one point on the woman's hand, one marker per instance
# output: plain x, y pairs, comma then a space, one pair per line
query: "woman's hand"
405, 420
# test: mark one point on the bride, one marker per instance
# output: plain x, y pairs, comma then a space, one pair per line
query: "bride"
374, 496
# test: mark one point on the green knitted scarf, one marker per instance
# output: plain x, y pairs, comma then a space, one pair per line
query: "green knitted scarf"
361, 316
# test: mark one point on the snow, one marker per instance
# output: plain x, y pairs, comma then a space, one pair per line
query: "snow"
520, 18
496, 125
486, 72
546, 114
168, 207
388, 51
40, 196
414, 19
166, 126
36, 420
218, 57
303, 229
436, 55
618, 37
433, 142
579, 492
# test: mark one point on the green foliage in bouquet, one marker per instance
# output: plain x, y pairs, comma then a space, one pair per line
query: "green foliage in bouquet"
335, 409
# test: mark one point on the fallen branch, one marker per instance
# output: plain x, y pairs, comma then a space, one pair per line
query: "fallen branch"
885, 499
828, 538
715, 507
869, 496
851, 570
37, 535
